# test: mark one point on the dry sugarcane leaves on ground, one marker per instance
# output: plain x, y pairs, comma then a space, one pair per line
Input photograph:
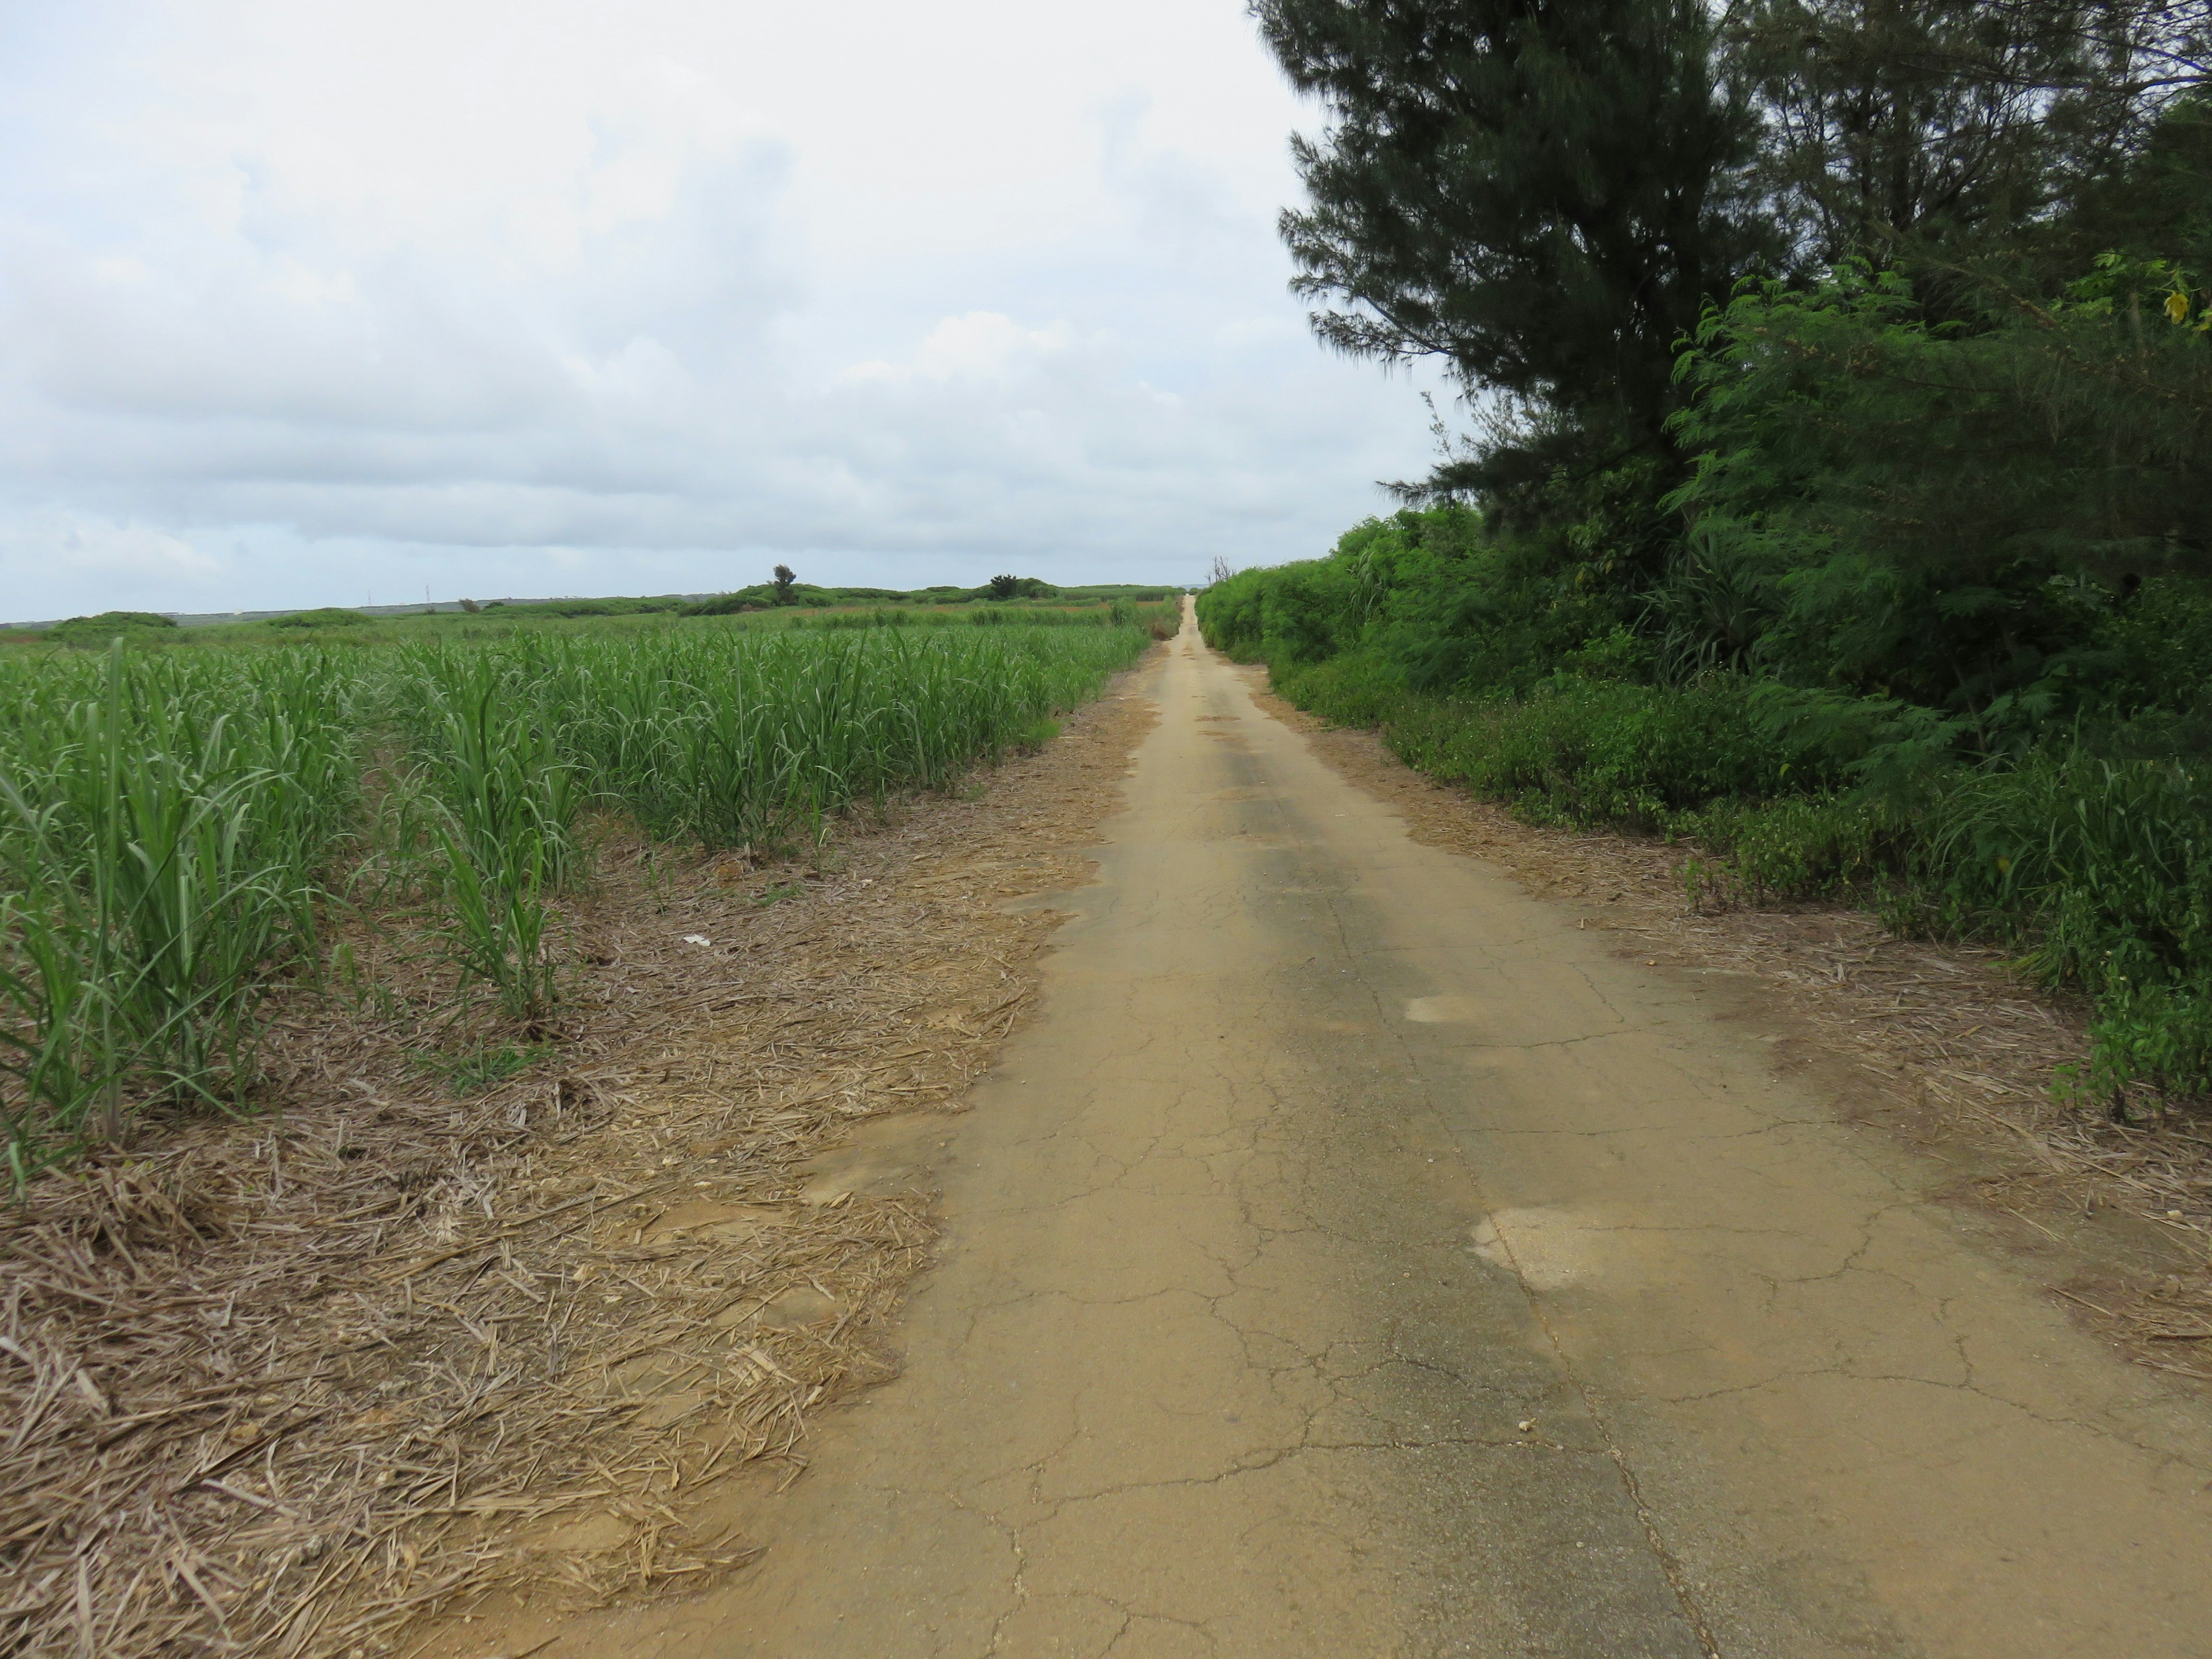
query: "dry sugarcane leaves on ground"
283, 1385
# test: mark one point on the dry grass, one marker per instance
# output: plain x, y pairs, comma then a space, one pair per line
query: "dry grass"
1965, 1053
285, 1386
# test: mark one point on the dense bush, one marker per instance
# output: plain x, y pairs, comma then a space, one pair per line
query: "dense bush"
96, 631
2102, 870
1939, 510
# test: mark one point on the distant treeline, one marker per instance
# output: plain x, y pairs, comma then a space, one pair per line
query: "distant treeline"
999, 590
1840, 497
1006, 597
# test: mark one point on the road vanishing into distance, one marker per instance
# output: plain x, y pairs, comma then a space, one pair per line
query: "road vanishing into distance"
1358, 1257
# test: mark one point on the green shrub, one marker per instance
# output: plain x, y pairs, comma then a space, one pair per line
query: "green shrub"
730, 604
329, 616
95, 632
1941, 507
1364, 688
1595, 752
2102, 870
1805, 846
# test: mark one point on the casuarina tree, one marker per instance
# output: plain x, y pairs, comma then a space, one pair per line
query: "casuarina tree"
1923, 131
1540, 194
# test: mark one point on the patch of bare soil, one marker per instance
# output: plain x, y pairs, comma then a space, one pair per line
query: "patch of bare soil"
286, 1385
1941, 1041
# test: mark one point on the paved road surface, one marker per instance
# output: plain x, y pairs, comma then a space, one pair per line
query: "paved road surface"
1358, 1259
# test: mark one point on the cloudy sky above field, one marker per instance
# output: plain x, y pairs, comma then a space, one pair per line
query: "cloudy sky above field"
305, 301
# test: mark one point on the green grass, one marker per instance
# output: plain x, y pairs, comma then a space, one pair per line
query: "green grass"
479, 1071
173, 824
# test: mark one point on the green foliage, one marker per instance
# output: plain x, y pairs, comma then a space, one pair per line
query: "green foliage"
732, 604
2146, 676
2156, 201
161, 834
506, 832
1452, 602
95, 632
766, 596
1120, 613
1588, 752
1544, 197
1802, 846
754, 737
1841, 500
329, 616
1914, 509
608, 607
1914, 130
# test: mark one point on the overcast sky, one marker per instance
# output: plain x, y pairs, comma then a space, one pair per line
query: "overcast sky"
307, 300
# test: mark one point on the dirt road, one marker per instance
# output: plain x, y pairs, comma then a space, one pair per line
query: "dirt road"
1358, 1257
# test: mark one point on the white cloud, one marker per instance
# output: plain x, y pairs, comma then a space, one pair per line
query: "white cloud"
982, 346
93, 552
375, 291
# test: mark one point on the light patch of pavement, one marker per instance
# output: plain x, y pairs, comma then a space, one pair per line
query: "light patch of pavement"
1545, 1249
1355, 1258
1441, 1011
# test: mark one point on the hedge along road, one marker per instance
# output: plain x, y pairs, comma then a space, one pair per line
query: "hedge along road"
1358, 1258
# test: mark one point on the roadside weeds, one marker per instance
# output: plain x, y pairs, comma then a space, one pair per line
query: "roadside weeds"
1940, 1043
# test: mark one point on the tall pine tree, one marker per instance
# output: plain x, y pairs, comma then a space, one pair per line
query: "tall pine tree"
1541, 193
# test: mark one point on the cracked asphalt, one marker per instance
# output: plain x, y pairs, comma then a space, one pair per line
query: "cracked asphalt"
1358, 1257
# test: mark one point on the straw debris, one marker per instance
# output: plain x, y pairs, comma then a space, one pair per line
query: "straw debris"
428, 1327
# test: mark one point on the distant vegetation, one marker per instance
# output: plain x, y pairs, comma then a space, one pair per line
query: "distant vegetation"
107, 625
998, 589
794, 603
